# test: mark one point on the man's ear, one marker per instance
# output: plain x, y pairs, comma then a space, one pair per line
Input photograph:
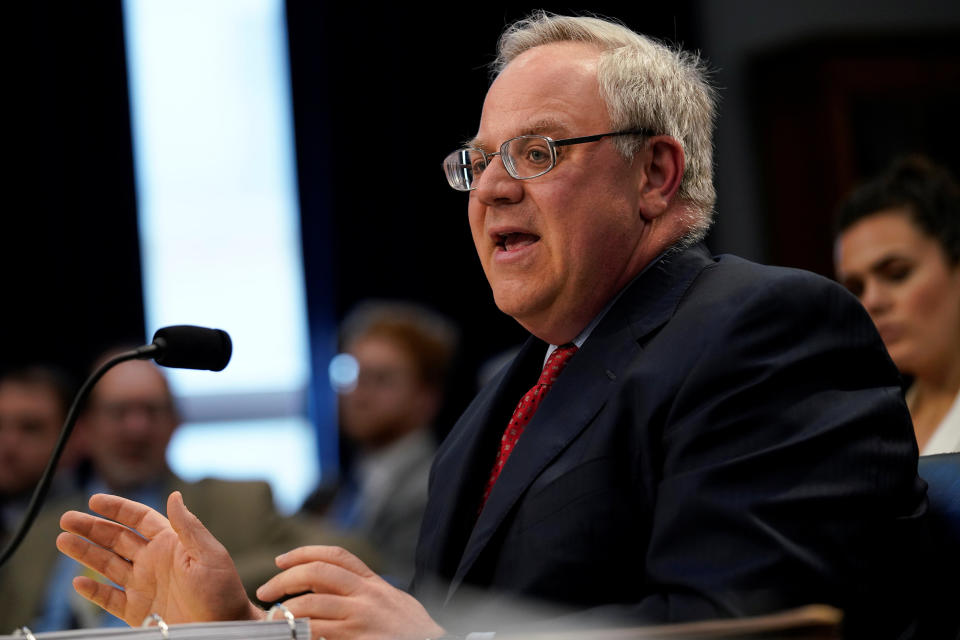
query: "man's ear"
662, 164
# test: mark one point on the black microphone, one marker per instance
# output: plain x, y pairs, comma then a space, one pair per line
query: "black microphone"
180, 346
184, 346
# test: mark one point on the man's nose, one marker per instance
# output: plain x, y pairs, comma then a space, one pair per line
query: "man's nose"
138, 421
496, 186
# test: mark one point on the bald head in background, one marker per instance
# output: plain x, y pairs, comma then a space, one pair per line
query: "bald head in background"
129, 421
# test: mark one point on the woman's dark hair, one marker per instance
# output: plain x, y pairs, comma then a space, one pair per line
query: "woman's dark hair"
927, 191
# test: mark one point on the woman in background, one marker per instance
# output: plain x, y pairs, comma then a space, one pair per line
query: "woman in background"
898, 251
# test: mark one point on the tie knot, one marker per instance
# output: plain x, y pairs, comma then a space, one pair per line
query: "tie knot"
556, 362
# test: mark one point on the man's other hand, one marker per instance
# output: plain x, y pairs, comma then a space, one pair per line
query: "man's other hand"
348, 601
174, 568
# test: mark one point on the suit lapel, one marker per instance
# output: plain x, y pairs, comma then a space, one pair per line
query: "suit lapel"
577, 395
462, 464
575, 398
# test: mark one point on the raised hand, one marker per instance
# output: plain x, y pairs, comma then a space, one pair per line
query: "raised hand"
174, 568
348, 600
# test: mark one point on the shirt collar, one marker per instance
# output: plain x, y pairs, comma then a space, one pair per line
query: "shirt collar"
582, 337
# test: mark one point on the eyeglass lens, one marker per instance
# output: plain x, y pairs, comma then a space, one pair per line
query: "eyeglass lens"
462, 167
528, 156
524, 157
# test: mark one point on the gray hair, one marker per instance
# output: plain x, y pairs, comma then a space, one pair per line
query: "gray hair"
645, 84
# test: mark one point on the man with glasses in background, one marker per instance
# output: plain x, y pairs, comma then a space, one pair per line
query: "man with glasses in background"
704, 437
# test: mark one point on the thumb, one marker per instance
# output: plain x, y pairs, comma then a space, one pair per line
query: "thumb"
190, 530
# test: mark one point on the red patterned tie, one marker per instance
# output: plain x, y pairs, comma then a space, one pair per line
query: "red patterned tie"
525, 410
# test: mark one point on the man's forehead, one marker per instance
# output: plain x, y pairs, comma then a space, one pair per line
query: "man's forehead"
552, 126
132, 379
547, 90
17, 393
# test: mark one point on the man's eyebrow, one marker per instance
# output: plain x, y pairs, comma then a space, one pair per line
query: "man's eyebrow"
546, 126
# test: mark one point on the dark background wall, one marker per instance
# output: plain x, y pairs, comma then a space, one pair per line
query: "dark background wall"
816, 95
70, 265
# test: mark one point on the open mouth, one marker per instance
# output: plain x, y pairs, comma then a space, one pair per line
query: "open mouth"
514, 241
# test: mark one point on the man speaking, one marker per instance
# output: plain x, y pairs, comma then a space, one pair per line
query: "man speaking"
682, 437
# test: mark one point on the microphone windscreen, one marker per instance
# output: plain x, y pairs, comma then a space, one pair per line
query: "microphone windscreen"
187, 347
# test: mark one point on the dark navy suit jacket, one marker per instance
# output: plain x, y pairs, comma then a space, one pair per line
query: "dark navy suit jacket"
729, 440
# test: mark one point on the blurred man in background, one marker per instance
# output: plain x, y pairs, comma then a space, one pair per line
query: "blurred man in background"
34, 401
402, 354
33, 405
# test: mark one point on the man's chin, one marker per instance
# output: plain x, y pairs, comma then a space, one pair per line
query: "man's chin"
121, 481
518, 306
9, 491
535, 319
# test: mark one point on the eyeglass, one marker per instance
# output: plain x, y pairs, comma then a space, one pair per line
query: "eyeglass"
523, 157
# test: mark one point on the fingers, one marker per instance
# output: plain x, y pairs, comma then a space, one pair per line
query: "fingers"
127, 512
318, 577
329, 615
107, 534
332, 555
318, 606
388, 613
101, 560
190, 530
103, 595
